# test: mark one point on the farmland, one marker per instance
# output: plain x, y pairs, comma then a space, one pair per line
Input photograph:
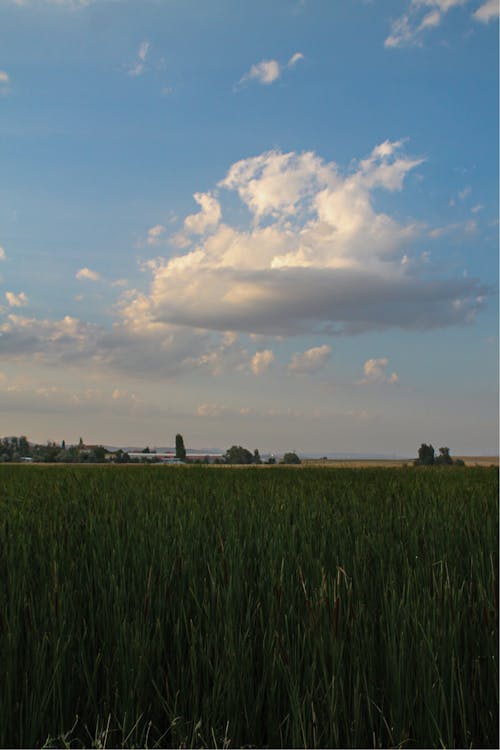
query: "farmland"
185, 606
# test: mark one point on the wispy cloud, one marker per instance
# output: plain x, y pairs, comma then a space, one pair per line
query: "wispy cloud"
200, 223
488, 11
463, 194
221, 410
210, 410
208, 217
139, 66
297, 57
265, 72
16, 300
155, 233
421, 15
4, 82
268, 71
2, 253
311, 360
375, 371
261, 361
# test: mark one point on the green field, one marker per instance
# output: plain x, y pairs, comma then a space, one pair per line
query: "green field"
172, 606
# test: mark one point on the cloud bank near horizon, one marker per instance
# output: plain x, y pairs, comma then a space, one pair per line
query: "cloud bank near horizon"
314, 256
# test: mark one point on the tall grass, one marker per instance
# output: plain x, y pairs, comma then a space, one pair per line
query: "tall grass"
164, 606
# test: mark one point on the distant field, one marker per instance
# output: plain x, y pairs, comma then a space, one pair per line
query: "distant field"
479, 460
176, 607
354, 463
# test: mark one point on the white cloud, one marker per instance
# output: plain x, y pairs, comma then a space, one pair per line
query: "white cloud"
487, 12
430, 20
311, 360
207, 218
219, 410
2, 253
476, 209
210, 410
4, 82
139, 66
87, 274
375, 371
295, 59
16, 300
468, 226
402, 34
408, 29
316, 255
134, 345
124, 397
154, 234
275, 183
261, 361
265, 72
268, 71
143, 50
246, 411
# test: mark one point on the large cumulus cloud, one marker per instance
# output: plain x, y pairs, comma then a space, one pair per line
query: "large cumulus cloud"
315, 256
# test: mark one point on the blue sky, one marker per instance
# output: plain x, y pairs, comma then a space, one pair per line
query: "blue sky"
273, 224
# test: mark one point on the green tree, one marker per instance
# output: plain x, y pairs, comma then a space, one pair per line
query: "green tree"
238, 455
444, 457
256, 457
180, 451
122, 457
425, 455
50, 452
24, 447
290, 458
97, 455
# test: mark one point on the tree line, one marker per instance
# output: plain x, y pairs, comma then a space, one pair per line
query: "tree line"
238, 455
18, 449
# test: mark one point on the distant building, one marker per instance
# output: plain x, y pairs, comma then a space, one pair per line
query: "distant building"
209, 458
140, 456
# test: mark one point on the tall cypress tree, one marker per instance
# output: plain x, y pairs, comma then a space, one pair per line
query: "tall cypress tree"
180, 451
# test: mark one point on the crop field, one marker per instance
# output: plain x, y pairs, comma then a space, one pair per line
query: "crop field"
185, 606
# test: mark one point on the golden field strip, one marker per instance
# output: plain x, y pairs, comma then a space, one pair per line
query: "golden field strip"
368, 463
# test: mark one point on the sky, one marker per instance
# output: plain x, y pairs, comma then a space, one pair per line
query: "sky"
271, 224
